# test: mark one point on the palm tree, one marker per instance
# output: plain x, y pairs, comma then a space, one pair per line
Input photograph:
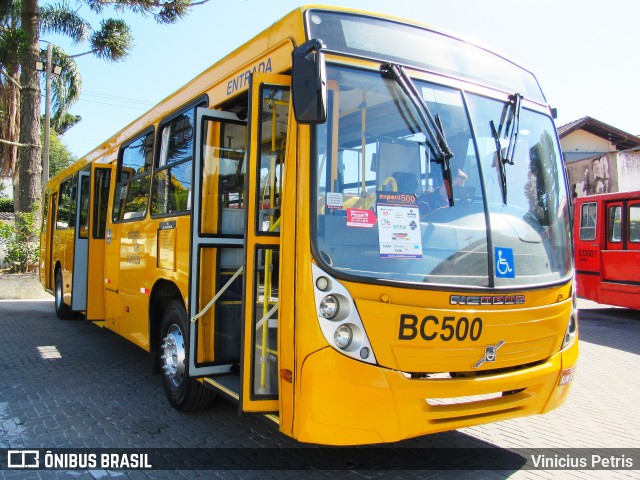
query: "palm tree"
10, 41
19, 47
111, 42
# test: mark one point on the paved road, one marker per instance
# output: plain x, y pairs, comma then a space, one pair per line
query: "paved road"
70, 384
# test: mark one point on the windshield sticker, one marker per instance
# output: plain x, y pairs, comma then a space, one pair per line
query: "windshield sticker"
357, 217
334, 200
399, 226
505, 267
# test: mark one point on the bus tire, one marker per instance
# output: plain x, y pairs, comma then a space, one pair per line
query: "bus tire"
184, 393
63, 311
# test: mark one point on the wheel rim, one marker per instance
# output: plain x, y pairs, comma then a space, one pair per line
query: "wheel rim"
173, 355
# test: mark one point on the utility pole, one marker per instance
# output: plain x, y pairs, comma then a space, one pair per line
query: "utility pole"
49, 69
47, 119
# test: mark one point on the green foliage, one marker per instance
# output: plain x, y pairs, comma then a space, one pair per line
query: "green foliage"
6, 205
67, 86
21, 241
62, 19
163, 11
60, 157
113, 41
62, 123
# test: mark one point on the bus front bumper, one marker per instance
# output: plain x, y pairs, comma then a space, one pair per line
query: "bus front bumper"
343, 402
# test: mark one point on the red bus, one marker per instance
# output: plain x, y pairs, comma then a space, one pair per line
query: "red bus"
607, 248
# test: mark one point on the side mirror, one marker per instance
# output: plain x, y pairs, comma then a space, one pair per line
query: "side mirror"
309, 83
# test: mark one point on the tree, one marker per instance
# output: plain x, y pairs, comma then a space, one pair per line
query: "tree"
60, 157
18, 46
111, 42
29, 163
11, 40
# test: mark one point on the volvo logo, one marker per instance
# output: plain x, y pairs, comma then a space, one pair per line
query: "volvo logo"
490, 353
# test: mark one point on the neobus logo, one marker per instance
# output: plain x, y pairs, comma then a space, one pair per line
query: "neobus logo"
487, 300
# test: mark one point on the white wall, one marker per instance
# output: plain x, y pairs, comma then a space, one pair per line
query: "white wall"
581, 141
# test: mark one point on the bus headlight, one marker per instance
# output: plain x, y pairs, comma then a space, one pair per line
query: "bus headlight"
572, 327
343, 336
329, 307
338, 318
572, 330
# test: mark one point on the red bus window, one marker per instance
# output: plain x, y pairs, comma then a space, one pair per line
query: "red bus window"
634, 223
615, 223
588, 220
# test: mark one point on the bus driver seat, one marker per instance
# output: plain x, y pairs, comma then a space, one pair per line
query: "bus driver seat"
407, 182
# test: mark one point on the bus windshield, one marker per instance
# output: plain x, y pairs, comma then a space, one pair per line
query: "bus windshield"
380, 39
385, 210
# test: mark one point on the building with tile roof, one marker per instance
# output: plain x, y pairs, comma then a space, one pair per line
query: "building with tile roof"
599, 158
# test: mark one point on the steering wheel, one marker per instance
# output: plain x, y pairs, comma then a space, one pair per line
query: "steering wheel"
368, 204
389, 180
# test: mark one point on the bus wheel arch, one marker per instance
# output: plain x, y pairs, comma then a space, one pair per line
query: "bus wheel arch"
63, 311
162, 293
183, 393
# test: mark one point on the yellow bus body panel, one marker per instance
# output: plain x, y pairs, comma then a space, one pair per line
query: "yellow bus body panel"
328, 397
530, 334
327, 412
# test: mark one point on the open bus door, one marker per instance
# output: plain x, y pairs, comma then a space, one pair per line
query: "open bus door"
81, 244
270, 98
217, 241
100, 184
233, 286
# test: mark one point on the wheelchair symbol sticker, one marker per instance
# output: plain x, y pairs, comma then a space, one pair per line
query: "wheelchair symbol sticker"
505, 267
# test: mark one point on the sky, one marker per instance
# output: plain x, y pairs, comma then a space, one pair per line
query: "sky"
583, 53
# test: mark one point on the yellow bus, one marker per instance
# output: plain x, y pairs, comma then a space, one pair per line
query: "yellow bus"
353, 224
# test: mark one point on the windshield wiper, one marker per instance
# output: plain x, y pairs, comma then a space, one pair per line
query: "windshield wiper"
514, 121
432, 126
512, 128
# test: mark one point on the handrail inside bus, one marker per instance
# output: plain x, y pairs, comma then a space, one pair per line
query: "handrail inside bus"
217, 296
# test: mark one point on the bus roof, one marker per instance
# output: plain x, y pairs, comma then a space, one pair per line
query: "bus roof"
289, 29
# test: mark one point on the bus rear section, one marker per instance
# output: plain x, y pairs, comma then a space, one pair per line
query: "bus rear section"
607, 248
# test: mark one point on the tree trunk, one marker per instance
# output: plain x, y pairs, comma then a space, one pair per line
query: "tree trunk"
29, 161
10, 125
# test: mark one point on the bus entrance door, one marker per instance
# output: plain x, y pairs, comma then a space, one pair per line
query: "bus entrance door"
613, 268
269, 97
217, 242
81, 244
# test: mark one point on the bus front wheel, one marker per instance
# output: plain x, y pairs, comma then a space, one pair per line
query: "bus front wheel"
184, 393
63, 311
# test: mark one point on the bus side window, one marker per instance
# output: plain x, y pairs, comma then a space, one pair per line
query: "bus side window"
615, 223
134, 170
45, 212
171, 190
634, 223
66, 215
588, 220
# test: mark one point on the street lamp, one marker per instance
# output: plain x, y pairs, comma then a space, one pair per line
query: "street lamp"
50, 69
